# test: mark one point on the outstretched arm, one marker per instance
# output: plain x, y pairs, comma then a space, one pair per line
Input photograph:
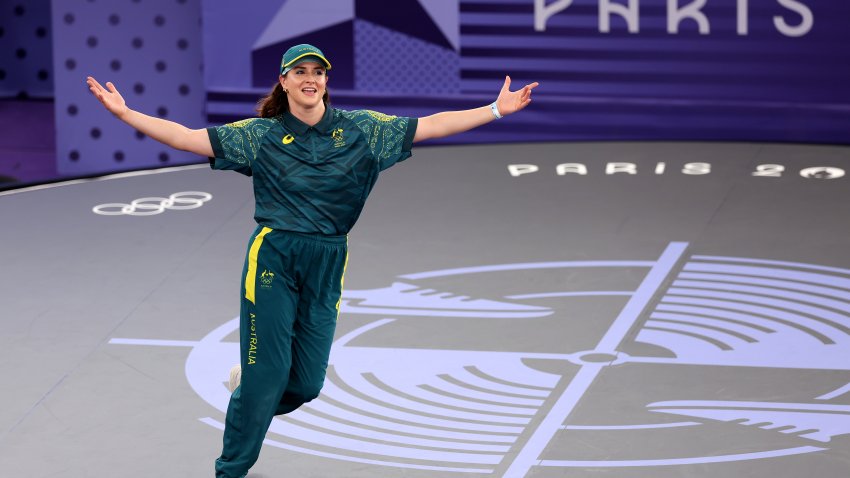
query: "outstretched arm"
167, 132
448, 123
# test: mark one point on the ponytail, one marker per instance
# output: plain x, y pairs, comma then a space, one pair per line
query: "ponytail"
274, 103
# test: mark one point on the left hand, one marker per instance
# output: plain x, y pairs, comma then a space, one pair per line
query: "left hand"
109, 97
512, 101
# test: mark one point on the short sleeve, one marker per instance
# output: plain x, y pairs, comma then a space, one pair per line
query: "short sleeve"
236, 145
390, 137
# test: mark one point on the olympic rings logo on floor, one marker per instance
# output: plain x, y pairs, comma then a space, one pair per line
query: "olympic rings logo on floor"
151, 206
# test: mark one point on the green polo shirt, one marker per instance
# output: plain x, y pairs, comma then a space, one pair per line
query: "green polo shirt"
313, 179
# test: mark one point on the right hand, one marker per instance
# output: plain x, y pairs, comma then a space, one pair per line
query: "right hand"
110, 98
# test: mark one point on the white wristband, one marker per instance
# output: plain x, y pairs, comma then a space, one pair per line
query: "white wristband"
495, 110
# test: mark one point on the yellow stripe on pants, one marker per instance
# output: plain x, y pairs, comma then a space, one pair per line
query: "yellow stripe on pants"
251, 276
342, 280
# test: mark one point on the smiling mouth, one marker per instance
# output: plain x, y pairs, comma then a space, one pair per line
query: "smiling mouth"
309, 91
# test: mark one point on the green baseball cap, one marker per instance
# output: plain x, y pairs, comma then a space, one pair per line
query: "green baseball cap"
300, 54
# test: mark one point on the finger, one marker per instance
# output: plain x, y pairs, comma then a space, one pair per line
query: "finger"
533, 85
507, 85
97, 94
90, 84
96, 85
97, 90
111, 87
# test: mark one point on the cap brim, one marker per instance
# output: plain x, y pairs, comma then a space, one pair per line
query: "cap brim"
302, 59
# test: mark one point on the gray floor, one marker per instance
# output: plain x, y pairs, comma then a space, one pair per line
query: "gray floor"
656, 324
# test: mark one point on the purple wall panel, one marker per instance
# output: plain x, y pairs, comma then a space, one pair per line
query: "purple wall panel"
26, 65
230, 32
151, 50
391, 62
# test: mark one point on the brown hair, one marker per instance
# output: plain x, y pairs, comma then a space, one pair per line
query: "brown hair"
276, 103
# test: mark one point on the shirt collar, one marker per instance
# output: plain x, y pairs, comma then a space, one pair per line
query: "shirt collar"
300, 127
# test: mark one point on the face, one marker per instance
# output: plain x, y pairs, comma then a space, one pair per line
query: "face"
305, 84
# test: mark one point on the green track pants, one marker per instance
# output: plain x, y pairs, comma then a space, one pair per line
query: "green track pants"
291, 291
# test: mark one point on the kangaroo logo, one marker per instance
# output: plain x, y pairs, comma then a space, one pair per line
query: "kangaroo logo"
266, 279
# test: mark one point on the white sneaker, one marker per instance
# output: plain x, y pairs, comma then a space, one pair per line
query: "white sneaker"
235, 378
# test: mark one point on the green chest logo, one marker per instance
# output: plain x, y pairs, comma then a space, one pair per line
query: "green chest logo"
339, 139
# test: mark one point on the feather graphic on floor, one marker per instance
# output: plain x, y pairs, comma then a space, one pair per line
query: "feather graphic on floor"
754, 313
410, 300
820, 422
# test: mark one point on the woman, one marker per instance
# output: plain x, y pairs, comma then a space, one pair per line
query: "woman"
313, 167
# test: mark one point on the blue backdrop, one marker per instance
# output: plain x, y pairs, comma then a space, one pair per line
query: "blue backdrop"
755, 70
769, 70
